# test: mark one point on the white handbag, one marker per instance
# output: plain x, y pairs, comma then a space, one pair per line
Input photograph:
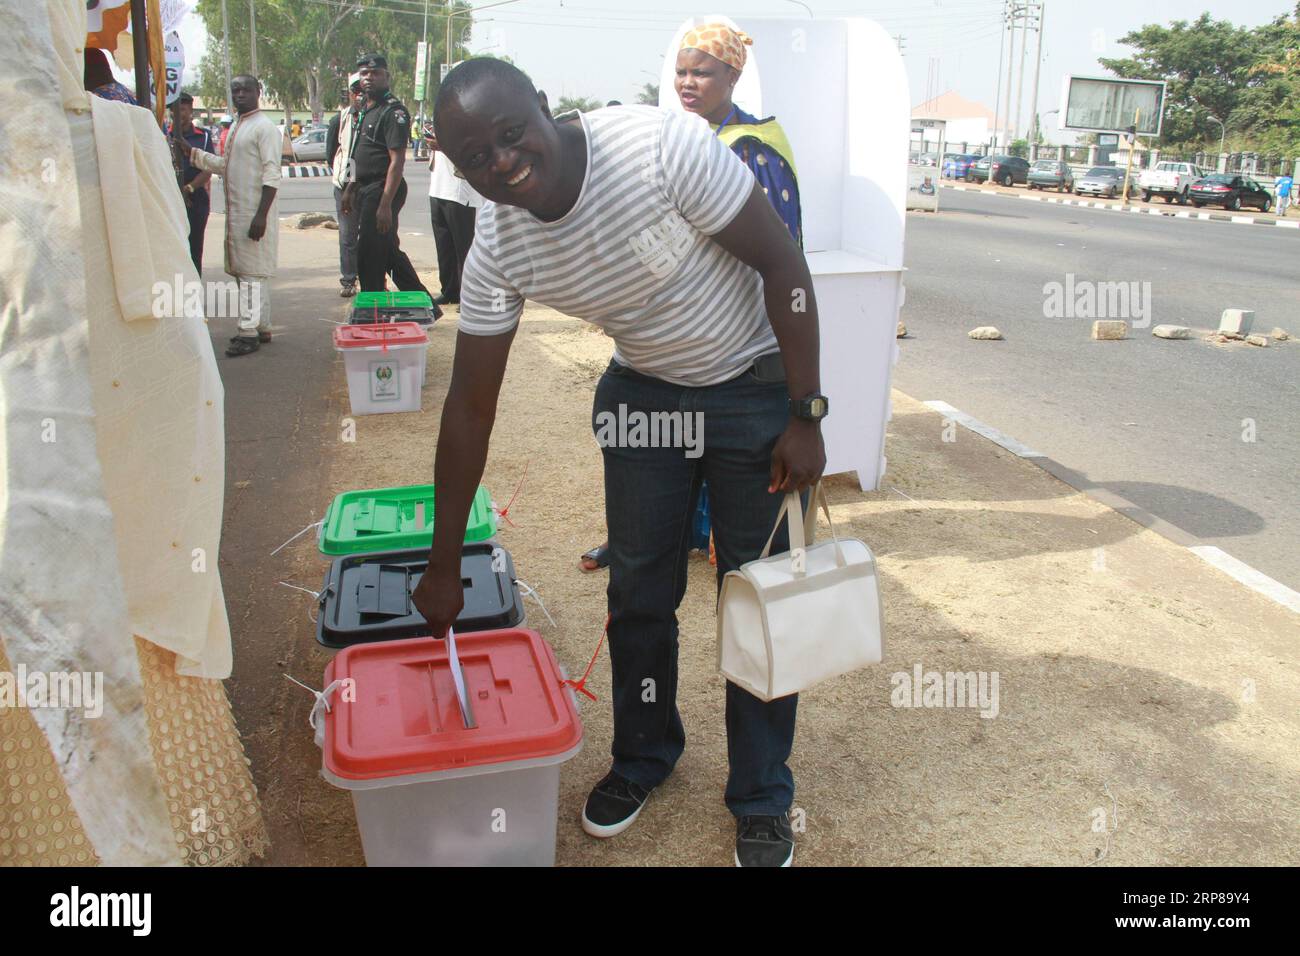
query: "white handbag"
788, 621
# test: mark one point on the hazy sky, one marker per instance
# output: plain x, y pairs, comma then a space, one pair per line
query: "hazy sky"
606, 49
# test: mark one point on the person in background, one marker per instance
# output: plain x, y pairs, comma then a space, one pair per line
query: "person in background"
709, 64
250, 173
221, 139
452, 207
98, 76
378, 192
338, 153
295, 130
198, 201
1285, 185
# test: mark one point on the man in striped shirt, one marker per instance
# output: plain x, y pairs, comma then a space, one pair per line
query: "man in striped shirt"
640, 221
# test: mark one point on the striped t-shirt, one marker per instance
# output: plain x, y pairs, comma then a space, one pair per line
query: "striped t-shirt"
633, 254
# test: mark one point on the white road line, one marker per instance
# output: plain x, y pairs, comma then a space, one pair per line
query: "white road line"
1287, 225
988, 431
1183, 214
1255, 580
1034, 198
1246, 219
1202, 215
1238, 570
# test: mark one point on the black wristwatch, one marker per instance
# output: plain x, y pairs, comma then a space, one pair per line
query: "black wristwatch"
813, 408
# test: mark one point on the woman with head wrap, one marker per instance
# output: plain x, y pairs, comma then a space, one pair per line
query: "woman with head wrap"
709, 63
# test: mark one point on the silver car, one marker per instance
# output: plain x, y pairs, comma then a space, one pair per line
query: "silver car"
310, 146
1101, 181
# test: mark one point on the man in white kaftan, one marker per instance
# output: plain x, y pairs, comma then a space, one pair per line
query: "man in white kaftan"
250, 171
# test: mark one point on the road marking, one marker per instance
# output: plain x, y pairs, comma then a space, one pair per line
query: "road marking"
1238, 570
1255, 580
1167, 213
988, 431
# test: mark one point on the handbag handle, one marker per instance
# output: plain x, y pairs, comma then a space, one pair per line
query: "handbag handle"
804, 532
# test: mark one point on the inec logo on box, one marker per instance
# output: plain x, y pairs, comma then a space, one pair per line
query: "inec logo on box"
385, 383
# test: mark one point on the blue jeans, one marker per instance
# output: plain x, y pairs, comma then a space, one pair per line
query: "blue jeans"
650, 495
347, 240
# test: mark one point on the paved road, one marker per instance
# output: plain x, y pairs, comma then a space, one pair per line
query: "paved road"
1158, 422
316, 194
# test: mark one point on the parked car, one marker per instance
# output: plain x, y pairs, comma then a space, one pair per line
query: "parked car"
956, 165
310, 146
1004, 170
1101, 181
1169, 179
1230, 192
928, 159
1051, 173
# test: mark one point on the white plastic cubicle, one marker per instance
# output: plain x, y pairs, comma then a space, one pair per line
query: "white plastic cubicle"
839, 89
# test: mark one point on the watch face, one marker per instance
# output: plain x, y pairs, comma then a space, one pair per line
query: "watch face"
817, 407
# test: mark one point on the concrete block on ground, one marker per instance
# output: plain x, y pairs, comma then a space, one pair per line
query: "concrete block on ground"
1236, 320
1109, 330
902, 331
985, 332
1260, 340
1171, 332
1279, 335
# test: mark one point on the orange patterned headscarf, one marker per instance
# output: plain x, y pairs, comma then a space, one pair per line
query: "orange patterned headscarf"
720, 42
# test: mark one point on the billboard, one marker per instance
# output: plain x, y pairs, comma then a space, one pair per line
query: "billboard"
1098, 104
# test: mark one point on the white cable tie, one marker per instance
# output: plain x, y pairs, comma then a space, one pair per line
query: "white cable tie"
531, 592
322, 698
314, 524
315, 594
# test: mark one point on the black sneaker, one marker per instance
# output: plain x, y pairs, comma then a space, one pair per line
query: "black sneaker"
348, 290
446, 300
612, 806
242, 346
764, 841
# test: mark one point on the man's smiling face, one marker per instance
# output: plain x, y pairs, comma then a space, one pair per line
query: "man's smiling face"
504, 142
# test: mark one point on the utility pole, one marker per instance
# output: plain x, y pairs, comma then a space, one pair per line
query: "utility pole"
225, 49
899, 40
1011, 71
252, 26
1038, 65
997, 86
1026, 13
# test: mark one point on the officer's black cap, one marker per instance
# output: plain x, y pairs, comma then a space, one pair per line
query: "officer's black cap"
185, 98
376, 61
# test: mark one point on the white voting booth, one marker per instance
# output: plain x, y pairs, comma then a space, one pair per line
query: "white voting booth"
839, 90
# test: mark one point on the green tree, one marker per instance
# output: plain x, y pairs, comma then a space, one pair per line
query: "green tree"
1247, 77
306, 49
583, 104
649, 94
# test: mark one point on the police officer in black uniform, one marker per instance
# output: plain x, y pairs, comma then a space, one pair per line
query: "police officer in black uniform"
378, 191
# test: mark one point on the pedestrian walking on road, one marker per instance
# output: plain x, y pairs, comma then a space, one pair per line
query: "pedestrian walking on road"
378, 155
250, 173
453, 204
1285, 186
338, 153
